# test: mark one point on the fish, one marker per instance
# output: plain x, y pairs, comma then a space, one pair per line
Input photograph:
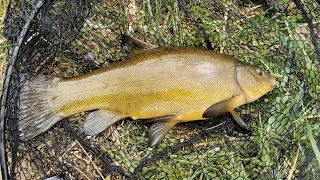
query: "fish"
165, 85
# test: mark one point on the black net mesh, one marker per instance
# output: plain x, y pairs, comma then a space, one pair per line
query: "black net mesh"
70, 38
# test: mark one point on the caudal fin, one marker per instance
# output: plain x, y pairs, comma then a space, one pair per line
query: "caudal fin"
36, 114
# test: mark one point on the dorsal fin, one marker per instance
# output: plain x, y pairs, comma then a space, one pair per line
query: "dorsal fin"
132, 46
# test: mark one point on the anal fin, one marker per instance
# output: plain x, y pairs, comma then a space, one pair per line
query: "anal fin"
159, 130
98, 121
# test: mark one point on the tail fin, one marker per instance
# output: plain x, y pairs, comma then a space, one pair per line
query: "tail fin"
36, 114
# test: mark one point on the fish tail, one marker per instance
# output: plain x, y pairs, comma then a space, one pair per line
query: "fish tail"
36, 114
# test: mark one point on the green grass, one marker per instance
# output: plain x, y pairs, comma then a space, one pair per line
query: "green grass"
265, 39
272, 42
313, 142
3, 43
279, 40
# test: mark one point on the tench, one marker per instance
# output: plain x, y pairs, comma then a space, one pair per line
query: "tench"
167, 85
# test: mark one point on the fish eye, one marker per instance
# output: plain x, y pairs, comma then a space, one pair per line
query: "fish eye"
260, 72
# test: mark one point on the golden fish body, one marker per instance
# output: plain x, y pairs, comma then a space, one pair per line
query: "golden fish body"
168, 84
164, 81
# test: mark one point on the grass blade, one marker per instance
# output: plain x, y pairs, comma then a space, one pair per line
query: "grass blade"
313, 143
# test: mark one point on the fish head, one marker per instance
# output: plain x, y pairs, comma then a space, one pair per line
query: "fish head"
253, 81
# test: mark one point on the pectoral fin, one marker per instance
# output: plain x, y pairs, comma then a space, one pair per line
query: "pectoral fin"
238, 119
159, 130
98, 121
221, 107
132, 46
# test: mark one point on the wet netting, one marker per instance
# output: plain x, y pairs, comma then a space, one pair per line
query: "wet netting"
72, 37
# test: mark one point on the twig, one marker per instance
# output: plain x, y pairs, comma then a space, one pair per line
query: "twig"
216, 126
94, 165
2, 68
188, 14
293, 167
131, 10
2, 41
73, 144
81, 172
226, 14
41, 64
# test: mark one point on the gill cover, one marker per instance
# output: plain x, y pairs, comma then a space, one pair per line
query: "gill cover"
253, 82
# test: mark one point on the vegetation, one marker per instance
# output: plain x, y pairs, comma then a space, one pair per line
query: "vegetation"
285, 122
3, 44
279, 43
